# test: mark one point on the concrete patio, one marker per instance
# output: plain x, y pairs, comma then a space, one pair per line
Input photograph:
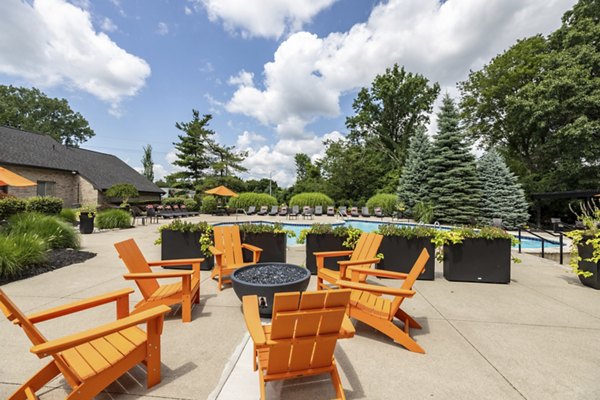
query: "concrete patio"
531, 339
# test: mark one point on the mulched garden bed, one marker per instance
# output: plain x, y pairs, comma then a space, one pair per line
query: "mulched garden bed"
57, 258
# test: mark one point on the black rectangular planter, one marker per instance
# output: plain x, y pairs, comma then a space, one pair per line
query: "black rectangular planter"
176, 245
478, 260
326, 242
272, 244
586, 251
400, 254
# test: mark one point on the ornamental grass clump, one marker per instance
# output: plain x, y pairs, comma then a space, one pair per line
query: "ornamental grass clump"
247, 199
387, 202
57, 233
113, 219
68, 215
18, 251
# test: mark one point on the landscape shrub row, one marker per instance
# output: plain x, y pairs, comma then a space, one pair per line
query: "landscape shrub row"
42, 204
245, 200
311, 200
387, 202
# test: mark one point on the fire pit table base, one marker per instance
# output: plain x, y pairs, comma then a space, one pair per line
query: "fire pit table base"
266, 279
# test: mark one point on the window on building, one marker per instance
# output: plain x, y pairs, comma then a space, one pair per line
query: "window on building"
45, 188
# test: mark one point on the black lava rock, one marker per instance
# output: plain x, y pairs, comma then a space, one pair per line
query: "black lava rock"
270, 274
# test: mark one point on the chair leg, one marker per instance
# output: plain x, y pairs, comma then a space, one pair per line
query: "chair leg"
401, 337
186, 308
337, 382
319, 283
263, 394
153, 352
409, 322
220, 283
36, 382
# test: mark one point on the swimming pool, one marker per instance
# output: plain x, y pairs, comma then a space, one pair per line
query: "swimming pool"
527, 242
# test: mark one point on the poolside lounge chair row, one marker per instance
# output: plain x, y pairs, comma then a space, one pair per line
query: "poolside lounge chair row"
308, 212
175, 211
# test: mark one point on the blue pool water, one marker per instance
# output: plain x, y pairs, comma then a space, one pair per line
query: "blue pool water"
368, 226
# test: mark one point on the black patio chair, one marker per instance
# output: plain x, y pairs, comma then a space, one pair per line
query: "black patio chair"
283, 211
307, 213
318, 210
342, 211
251, 210
151, 214
294, 213
263, 210
354, 212
331, 211
274, 211
379, 212
365, 212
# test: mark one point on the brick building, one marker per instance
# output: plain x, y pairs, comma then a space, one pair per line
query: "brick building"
76, 175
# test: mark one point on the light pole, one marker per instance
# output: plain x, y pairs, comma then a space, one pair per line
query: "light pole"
270, 173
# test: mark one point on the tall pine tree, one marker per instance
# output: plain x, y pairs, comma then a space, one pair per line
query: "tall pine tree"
194, 149
414, 181
454, 183
501, 194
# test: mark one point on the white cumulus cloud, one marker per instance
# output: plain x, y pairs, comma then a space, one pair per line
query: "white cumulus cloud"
162, 28
309, 74
263, 18
53, 42
108, 25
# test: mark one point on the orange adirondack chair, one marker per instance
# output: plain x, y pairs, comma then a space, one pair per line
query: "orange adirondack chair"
367, 304
185, 292
302, 337
91, 360
363, 256
228, 253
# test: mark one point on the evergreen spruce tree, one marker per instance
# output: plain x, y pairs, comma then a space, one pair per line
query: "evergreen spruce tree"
414, 181
502, 196
454, 182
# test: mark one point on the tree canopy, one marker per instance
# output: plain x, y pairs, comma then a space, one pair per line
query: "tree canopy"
414, 181
391, 110
539, 103
31, 110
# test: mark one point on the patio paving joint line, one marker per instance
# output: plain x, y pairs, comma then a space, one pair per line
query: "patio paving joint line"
475, 348
233, 360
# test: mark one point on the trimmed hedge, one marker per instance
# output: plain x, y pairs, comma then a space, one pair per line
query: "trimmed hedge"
191, 205
311, 200
247, 199
170, 201
209, 204
10, 206
113, 219
387, 202
45, 205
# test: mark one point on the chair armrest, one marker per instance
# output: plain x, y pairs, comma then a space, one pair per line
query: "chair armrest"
252, 318
367, 287
252, 248
326, 254
380, 273
169, 263
80, 305
157, 275
349, 263
67, 342
215, 251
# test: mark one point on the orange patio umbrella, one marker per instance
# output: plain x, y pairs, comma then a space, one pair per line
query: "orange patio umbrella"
221, 191
8, 178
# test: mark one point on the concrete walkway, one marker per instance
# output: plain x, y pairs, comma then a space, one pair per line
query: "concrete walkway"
531, 339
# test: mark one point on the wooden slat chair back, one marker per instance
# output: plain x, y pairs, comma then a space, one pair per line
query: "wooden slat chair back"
362, 257
135, 262
302, 337
91, 360
368, 305
227, 239
228, 253
185, 292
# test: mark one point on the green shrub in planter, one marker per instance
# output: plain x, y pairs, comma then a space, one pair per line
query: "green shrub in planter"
113, 219
311, 200
387, 202
247, 199
402, 245
585, 247
18, 251
183, 239
271, 238
68, 215
57, 233
325, 237
45, 205
209, 205
11, 206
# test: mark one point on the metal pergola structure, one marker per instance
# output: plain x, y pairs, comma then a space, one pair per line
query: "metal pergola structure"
572, 194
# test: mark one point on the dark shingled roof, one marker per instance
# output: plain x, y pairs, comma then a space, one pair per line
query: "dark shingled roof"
36, 150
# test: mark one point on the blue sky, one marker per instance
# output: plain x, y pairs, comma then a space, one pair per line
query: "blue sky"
279, 76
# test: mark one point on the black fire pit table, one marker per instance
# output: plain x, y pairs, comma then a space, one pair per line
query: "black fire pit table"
266, 279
